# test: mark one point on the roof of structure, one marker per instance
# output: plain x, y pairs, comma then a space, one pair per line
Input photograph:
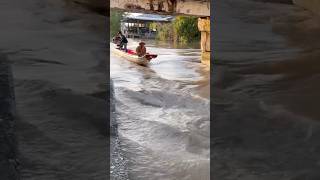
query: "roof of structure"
147, 17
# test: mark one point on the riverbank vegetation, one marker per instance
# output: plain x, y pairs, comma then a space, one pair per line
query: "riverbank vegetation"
115, 21
183, 29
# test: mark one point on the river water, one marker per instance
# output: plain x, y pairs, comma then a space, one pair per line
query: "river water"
266, 85
163, 113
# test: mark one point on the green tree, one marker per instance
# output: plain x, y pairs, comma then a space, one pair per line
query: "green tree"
183, 29
186, 29
115, 21
165, 32
153, 25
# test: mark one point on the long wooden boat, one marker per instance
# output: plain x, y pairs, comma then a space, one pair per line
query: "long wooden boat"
130, 56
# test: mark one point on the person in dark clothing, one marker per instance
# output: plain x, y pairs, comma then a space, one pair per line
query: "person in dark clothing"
123, 41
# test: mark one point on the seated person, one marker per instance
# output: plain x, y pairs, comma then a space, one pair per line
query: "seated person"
141, 49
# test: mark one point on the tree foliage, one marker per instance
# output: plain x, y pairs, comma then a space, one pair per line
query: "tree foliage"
183, 29
115, 22
186, 29
164, 31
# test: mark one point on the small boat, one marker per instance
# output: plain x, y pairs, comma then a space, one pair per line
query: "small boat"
130, 55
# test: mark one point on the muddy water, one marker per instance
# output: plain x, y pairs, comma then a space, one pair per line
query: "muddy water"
265, 79
59, 75
163, 113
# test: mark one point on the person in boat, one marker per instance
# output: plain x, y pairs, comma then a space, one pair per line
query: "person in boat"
141, 49
116, 40
123, 41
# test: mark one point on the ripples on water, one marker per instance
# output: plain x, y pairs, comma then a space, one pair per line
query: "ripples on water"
163, 114
266, 74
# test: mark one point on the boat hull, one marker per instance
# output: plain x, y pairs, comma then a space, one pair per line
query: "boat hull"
130, 57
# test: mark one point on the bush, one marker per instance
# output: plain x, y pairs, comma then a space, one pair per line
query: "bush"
183, 29
165, 32
186, 29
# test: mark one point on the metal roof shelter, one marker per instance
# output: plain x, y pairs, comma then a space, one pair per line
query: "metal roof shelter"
147, 17
137, 24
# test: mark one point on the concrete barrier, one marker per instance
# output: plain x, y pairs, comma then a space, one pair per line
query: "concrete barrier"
204, 28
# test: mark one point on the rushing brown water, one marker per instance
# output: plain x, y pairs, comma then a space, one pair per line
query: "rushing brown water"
163, 114
265, 79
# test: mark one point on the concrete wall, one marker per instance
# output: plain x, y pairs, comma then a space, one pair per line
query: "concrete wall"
187, 7
204, 28
313, 5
